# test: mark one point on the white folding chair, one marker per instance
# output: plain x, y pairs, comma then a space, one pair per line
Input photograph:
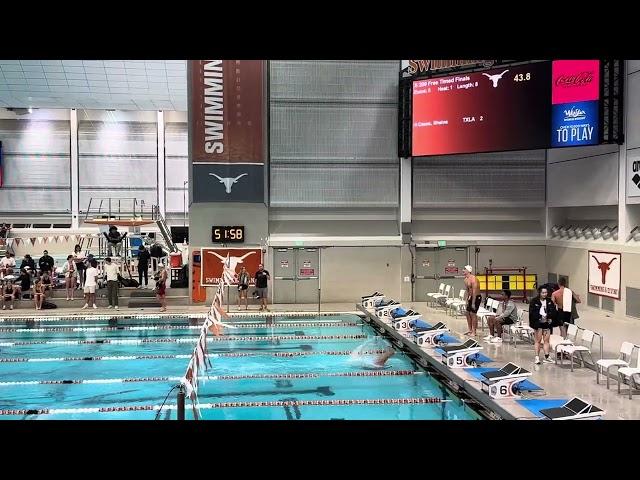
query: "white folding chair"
556, 341
571, 350
433, 294
629, 374
604, 365
452, 303
442, 298
492, 308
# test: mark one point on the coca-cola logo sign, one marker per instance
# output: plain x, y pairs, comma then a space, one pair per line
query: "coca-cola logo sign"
579, 80
575, 81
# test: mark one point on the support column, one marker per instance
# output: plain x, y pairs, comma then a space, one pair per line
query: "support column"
162, 186
75, 179
406, 262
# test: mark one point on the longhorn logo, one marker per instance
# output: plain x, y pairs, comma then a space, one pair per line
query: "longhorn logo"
604, 267
495, 78
231, 262
228, 181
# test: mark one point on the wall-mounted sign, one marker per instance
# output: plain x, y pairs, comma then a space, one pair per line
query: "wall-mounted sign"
422, 66
605, 270
451, 262
426, 263
306, 264
284, 263
213, 260
307, 272
227, 116
451, 270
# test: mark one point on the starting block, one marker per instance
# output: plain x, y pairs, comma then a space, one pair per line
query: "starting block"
384, 311
574, 409
404, 323
461, 356
503, 383
369, 301
426, 337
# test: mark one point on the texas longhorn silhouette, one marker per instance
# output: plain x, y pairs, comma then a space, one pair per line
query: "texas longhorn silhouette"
228, 181
231, 262
495, 78
604, 267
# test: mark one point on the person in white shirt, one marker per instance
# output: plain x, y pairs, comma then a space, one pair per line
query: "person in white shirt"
7, 264
90, 284
111, 269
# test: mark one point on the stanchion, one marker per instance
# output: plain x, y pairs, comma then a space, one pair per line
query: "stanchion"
180, 402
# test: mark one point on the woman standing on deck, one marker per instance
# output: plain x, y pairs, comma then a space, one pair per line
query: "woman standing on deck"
542, 314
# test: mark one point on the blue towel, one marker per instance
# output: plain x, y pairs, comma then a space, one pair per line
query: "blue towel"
398, 312
447, 338
535, 405
420, 323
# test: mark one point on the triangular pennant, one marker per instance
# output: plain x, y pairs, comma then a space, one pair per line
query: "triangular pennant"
77, 238
33, 240
17, 240
39, 239
66, 237
45, 239
55, 238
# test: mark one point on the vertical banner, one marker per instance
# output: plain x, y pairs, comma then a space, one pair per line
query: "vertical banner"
605, 270
227, 117
213, 260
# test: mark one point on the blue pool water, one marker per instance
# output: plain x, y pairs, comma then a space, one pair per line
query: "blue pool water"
327, 359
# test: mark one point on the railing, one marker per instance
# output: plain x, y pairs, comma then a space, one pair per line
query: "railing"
118, 208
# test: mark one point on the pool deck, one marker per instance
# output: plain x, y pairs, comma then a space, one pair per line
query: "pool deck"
558, 382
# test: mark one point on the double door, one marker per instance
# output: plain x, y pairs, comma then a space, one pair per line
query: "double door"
296, 275
439, 265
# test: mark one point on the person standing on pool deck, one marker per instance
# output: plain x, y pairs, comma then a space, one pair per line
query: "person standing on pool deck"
564, 314
262, 281
161, 288
243, 287
475, 299
112, 269
542, 314
90, 284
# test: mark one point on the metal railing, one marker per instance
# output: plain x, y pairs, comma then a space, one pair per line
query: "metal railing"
117, 208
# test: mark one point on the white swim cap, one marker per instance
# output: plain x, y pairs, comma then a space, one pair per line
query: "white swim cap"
469, 268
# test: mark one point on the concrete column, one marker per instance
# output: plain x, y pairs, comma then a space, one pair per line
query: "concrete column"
75, 181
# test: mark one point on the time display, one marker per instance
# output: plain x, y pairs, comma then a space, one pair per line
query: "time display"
227, 234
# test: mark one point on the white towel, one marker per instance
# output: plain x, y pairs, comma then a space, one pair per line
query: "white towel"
543, 310
567, 298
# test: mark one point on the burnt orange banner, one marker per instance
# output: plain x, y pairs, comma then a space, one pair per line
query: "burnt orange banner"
227, 111
214, 258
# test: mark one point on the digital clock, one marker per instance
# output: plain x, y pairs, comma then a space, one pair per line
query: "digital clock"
227, 234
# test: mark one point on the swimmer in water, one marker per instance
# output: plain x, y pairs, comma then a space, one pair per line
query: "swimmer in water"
381, 359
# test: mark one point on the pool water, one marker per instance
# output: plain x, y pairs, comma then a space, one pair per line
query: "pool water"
252, 363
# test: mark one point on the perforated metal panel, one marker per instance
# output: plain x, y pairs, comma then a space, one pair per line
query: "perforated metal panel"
371, 80
36, 153
176, 165
332, 185
483, 180
633, 302
334, 134
607, 304
593, 300
42, 200
551, 278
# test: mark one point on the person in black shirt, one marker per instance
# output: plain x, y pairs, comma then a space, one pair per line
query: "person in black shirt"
46, 263
143, 266
28, 264
23, 284
262, 277
542, 315
114, 238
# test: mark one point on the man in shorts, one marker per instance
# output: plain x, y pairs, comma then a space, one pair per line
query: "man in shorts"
507, 314
90, 284
262, 281
564, 314
474, 300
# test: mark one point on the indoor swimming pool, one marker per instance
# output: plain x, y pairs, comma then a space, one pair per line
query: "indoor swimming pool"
268, 368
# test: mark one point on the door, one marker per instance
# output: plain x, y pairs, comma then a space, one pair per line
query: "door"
426, 273
308, 275
296, 275
284, 275
451, 261
439, 265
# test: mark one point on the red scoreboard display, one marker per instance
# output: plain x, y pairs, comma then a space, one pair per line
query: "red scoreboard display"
501, 109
